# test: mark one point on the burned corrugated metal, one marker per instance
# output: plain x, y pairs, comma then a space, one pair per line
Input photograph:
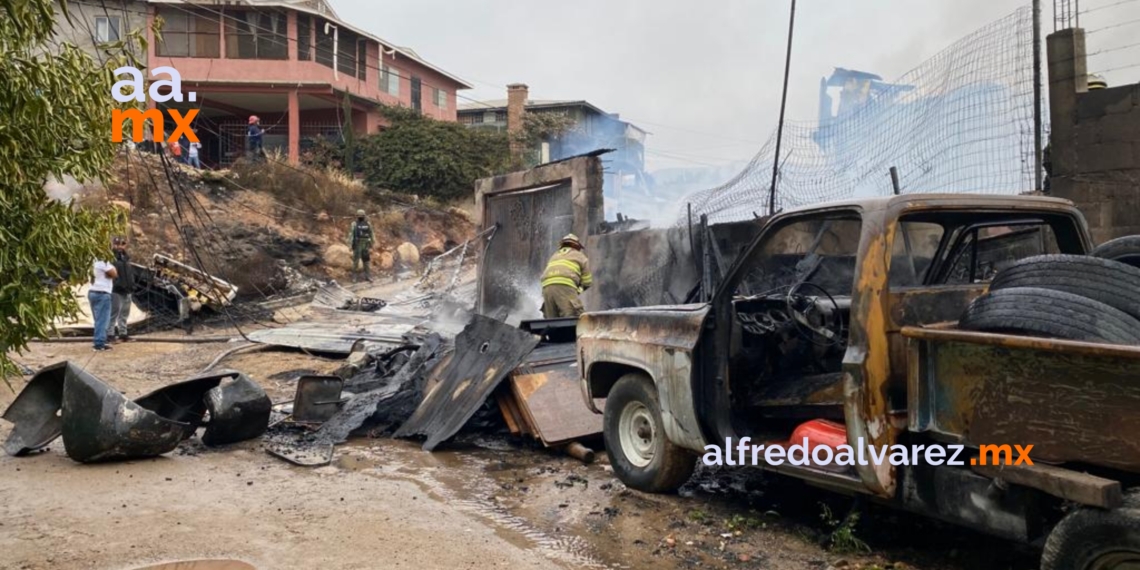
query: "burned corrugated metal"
335, 338
485, 352
547, 395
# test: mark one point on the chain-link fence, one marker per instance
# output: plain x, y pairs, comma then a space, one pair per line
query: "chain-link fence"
963, 121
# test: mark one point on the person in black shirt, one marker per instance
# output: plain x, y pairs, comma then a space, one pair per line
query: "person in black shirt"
121, 290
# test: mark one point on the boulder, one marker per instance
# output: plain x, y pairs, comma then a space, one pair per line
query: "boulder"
385, 261
408, 254
339, 256
432, 247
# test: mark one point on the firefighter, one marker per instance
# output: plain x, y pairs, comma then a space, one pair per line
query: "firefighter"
566, 276
360, 240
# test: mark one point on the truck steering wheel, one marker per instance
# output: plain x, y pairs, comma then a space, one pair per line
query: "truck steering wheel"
800, 317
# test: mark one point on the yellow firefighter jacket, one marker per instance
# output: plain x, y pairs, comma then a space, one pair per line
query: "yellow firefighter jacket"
569, 267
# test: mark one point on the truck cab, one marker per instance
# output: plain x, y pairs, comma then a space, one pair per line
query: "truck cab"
808, 325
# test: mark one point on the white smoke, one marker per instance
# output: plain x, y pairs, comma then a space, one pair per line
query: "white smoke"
63, 191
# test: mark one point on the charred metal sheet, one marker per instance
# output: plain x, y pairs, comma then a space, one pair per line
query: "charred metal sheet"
34, 411
333, 338
1072, 401
317, 398
100, 424
485, 352
551, 399
314, 455
390, 404
239, 410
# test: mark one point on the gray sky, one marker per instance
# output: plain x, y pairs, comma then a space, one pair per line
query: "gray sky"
703, 77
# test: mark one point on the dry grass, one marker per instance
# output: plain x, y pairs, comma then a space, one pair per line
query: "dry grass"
310, 190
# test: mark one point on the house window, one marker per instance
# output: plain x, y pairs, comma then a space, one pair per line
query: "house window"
476, 119
107, 29
256, 34
304, 37
390, 81
440, 98
189, 34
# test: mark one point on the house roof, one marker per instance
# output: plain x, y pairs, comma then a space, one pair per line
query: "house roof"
323, 9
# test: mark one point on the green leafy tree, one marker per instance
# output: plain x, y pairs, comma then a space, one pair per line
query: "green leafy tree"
419, 155
56, 105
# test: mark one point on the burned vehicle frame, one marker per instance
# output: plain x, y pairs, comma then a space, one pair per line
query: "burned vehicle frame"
842, 312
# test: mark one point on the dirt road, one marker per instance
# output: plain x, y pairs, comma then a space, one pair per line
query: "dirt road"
483, 502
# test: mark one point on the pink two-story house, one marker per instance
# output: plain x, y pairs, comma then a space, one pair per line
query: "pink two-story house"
293, 63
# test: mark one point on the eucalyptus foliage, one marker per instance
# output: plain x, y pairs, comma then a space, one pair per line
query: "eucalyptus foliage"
55, 108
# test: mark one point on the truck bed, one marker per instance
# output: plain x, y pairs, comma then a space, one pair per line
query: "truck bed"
1073, 401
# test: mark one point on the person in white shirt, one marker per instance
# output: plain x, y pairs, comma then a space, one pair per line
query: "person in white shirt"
192, 159
99, 296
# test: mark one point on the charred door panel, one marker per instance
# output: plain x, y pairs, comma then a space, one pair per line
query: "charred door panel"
530, 224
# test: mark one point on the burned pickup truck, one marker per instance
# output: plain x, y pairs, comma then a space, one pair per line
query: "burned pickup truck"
879, 322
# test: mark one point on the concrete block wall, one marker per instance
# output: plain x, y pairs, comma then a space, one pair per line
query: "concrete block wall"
1095, 141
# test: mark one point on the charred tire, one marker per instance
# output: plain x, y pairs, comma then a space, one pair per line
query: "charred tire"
1095, 539
640, 453
1123, 249
1111, 282
1043, 312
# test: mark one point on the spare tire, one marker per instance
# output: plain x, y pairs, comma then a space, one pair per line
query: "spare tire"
1111, 282
1123, 249
1043, 312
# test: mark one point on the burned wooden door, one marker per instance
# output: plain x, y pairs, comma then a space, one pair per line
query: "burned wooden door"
530, 223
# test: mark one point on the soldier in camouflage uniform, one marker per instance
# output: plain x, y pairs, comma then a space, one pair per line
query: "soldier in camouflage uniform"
360, 239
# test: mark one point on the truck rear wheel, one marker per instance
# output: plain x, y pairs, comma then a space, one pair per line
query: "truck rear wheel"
642, 456
1096, 539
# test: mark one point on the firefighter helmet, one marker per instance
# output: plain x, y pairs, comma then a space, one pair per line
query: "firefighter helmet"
572, 241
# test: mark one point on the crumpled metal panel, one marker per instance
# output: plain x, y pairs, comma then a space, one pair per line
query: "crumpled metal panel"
100, 424
485, 352
34, 411
239, 410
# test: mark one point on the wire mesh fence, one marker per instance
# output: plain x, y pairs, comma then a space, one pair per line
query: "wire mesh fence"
963, 121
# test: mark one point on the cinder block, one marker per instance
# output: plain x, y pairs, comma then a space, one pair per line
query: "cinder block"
1101, 102
1106, 158
1117, 128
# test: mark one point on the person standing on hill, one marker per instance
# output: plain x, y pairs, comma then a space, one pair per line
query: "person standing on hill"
99, 296
121, 290
360, 238
254, 134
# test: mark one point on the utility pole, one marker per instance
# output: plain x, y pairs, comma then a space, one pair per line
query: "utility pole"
783, 105
1038, 148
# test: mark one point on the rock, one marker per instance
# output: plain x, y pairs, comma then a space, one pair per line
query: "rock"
385, 261
433, 247
407, 253
339, 256
323, 217
670, 542
459, 213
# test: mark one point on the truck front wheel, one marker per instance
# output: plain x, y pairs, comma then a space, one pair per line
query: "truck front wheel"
1096, 539
640, 453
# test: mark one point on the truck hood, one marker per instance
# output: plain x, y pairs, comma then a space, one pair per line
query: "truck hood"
674, 326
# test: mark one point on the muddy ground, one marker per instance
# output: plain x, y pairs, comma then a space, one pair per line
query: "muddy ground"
485, 501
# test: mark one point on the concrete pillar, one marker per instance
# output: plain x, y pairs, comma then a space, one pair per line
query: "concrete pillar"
294, 125
517, 94
1068, 77
221, 33
291, 33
